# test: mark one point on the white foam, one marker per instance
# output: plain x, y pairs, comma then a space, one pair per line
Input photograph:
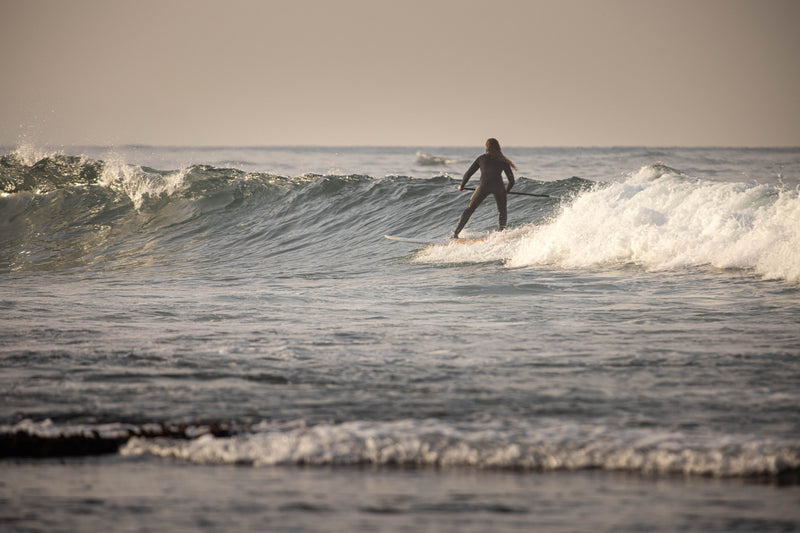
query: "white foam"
432, 443
138, 184
660, 220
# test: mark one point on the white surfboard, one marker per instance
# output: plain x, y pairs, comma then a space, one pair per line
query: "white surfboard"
417, 240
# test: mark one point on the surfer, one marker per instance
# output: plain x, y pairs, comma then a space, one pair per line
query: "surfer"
492, 164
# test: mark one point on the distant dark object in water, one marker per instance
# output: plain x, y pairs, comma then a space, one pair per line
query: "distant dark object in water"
83, 441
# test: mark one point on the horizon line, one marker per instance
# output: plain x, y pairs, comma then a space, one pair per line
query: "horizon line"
21, 145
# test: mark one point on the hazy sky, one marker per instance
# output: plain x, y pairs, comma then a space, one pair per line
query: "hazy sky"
404, 72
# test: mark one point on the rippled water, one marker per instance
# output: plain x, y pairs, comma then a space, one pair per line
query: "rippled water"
182, 308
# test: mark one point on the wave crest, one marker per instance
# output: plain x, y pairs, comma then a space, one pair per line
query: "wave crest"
21, 172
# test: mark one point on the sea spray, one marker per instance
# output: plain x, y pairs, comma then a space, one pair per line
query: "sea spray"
141, 184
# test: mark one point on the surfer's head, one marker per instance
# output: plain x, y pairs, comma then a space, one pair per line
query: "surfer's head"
493, 146
493, 149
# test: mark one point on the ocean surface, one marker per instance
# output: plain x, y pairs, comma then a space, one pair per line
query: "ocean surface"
221, 339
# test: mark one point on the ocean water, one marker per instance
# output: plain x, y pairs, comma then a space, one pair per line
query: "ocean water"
221, 339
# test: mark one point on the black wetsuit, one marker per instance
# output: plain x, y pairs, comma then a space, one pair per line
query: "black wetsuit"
491, 183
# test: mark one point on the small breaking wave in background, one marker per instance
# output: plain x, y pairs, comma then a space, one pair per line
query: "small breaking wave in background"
517, 446
503, 445
434, 160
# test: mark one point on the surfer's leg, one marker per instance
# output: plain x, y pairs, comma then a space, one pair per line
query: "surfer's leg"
501, 198
462, 221
475, 200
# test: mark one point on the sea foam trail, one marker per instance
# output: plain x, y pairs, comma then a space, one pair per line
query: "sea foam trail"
658, 219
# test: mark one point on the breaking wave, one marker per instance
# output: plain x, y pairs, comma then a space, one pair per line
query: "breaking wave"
72, 212
502, 445
658, 219
62, 212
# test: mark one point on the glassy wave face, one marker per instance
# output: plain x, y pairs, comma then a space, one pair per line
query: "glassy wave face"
643, 321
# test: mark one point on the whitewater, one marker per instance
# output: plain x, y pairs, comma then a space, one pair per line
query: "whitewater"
630, 341
661, 220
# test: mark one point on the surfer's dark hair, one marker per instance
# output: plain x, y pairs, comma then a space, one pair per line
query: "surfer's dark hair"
493, 149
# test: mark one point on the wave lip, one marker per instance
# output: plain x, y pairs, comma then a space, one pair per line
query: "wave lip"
431, 443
